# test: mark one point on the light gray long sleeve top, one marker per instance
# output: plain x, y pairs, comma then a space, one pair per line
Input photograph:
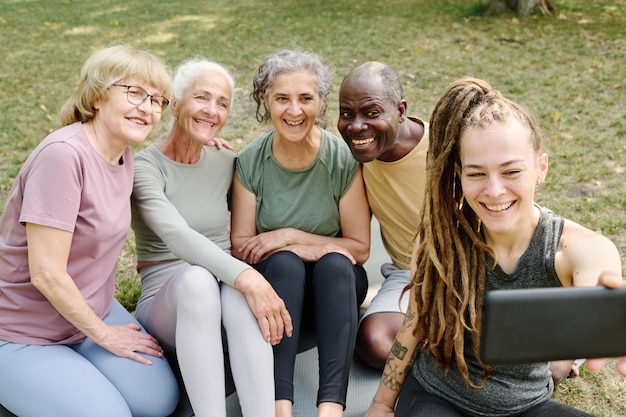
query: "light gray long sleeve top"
181, 211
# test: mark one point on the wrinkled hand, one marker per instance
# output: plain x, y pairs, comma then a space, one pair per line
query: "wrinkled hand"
220, 143
269, 309
258, 247
312, 253
595, 364
127, 340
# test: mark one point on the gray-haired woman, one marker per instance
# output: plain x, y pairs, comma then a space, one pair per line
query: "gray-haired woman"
300, 216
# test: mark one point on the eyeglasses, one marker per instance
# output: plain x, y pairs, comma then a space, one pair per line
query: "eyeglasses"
137, 95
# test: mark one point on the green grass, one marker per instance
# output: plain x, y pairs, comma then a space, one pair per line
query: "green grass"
569, 71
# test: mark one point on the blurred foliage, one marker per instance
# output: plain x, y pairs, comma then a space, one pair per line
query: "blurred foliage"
568, 70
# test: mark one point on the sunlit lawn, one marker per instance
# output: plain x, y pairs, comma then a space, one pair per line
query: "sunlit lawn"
569, 71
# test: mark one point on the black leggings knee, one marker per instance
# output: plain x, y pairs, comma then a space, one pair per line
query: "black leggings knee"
327, 292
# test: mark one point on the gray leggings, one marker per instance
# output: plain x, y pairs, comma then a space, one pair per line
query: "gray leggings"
184, 307
84, 380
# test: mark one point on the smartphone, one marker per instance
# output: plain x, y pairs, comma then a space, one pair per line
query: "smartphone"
545, 324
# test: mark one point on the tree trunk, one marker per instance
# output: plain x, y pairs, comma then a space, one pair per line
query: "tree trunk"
522, 8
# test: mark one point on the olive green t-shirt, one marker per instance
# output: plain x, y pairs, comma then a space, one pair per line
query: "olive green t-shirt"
306, 199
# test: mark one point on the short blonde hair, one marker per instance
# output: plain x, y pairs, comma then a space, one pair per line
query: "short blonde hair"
107, 66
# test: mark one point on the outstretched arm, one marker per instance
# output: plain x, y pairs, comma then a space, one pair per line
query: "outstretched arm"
586, 259
610, 280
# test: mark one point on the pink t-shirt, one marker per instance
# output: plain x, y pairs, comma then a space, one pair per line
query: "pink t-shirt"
67, 185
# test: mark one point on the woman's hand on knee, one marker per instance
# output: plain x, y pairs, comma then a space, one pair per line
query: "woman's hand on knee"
268, 308
259, 247
127, 341
313, 253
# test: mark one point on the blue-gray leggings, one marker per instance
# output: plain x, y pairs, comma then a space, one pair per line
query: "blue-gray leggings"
84, 380
415, 401
329, 293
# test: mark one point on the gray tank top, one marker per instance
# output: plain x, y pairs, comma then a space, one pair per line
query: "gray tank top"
510, 389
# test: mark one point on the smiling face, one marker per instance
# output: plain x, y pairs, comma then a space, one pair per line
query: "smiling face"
368, 120
204, 108
293, 103
126, 123
499, 173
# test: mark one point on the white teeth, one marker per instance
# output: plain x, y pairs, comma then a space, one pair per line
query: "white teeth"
141, 122
203, 123
294, 123
360, 142
500, 207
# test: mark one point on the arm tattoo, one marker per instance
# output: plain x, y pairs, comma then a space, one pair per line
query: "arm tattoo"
398, 350
409, 319
391, 379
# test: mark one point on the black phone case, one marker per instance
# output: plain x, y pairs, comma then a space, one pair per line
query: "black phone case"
536, 325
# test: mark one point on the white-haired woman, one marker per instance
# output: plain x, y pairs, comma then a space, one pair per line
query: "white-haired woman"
191, 285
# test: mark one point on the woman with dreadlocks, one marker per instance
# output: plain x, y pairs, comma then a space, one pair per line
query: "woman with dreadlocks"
481, 230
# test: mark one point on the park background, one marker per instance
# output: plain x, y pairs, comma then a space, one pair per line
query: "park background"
569, 69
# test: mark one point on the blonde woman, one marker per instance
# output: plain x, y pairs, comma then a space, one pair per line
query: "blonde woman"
67, 347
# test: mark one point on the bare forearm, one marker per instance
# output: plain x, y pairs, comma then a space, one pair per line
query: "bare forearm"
399, 363
236, 243
359, 250
308, 246
65, 297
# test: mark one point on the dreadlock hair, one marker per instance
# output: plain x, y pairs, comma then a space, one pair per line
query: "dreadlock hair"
451, 257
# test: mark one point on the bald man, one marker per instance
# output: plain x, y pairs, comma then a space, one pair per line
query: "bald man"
392, 148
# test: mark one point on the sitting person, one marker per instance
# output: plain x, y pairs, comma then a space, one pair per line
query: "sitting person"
191, 285
67, 347
300, 216
481, 230
392, 148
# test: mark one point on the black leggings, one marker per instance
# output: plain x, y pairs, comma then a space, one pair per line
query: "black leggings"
415, 401
328, 293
